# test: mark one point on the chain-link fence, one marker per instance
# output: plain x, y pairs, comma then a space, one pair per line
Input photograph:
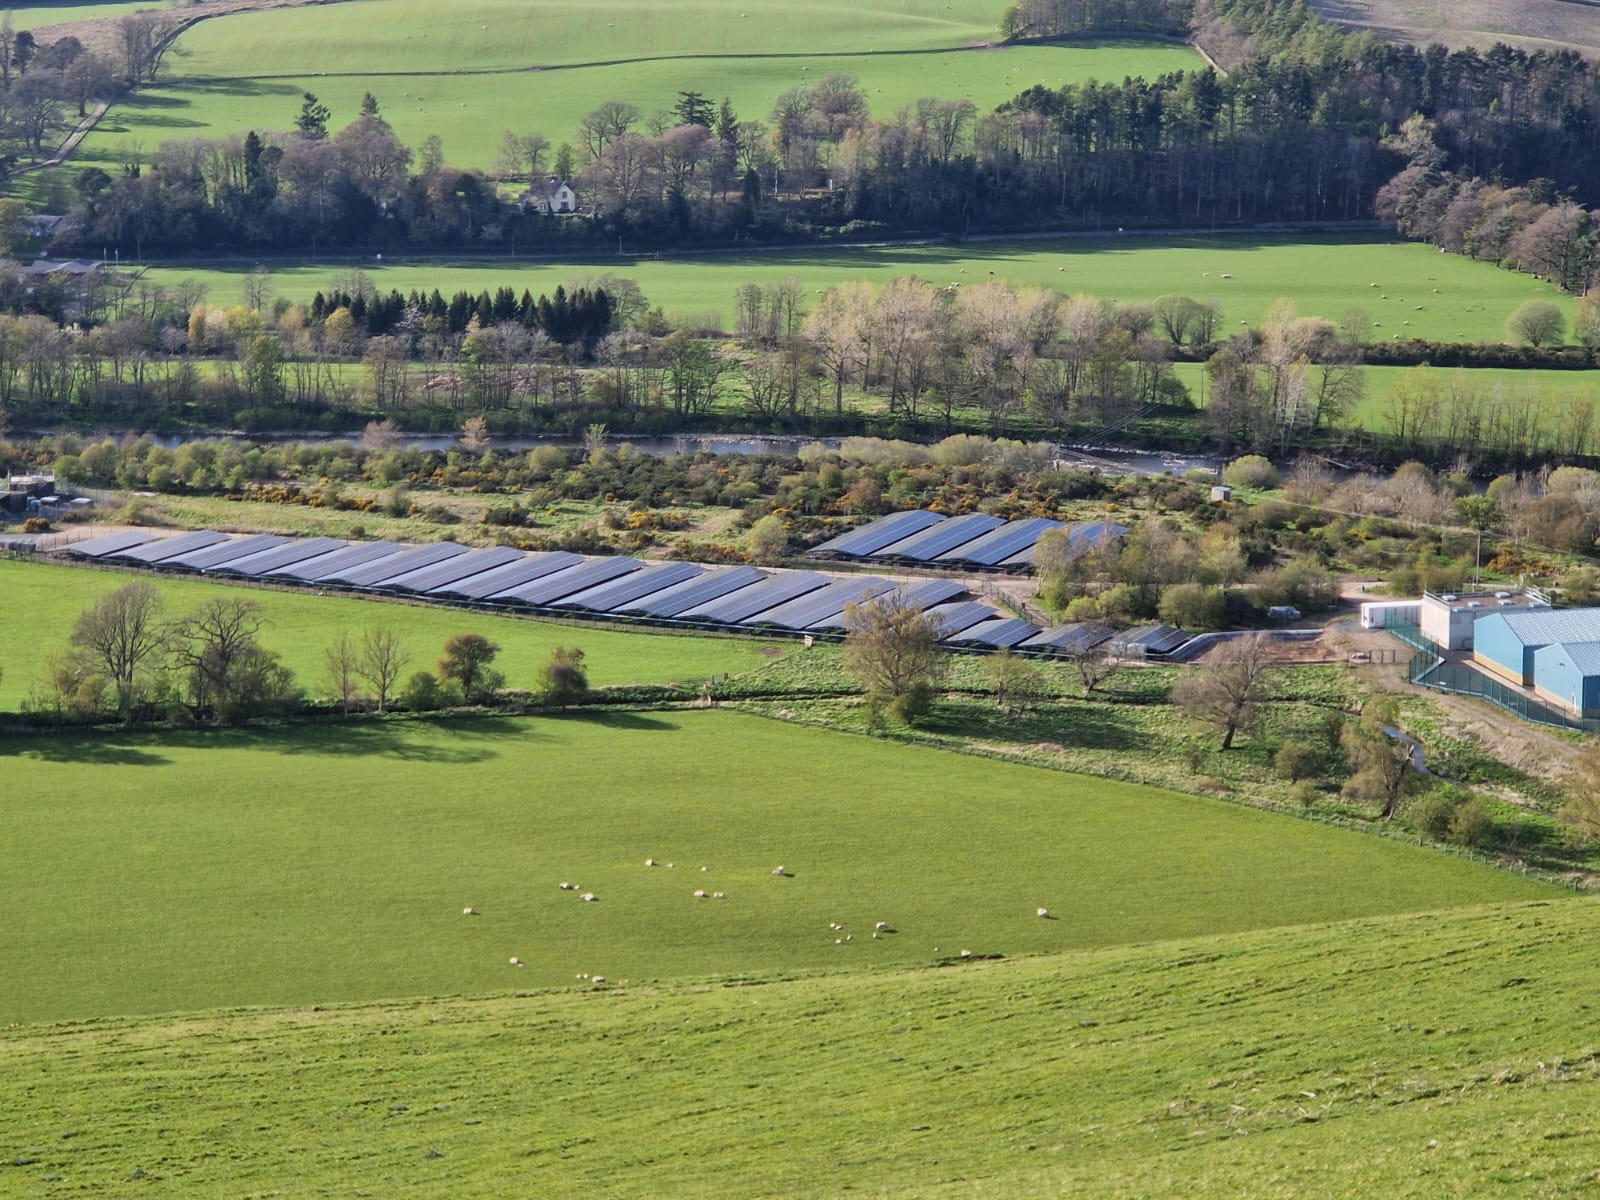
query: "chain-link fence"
1429, 667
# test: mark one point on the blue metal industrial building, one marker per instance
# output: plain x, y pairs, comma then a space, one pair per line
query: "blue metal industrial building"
1568, 674
1504, 643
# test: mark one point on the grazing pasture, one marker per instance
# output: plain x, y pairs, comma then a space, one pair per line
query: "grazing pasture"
1320, 275
331, 862
1438, 1054
470, 70
43, 601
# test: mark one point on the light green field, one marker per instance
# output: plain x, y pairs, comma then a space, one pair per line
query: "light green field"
1323, 275
331, 863
1372, 412
1412, 1057
300, 625
38, 16
472, 70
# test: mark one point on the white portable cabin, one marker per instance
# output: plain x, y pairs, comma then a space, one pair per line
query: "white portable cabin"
1379, 614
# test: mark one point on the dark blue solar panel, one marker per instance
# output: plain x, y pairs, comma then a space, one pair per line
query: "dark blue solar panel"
380, 570
747, 602
1152, 639
165, 548
947, 535
710, 586
298, 550
818, 608
225, 552
1080, 540
324, 565
614, 596
1006, 632
462, 566
1011, 540
562, 584
923, 594
877, 534
110, 543
1069, 639
513, 574
955, 618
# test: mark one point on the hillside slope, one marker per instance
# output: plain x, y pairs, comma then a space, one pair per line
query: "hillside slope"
1424, 1055
1528, 24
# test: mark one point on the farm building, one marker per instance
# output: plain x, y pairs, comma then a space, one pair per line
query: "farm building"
1505, 642
1449, 618
1568, 674
553, 198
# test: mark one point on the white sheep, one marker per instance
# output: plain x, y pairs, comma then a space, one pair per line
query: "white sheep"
649, 862
780, 870
1044, 913
598, 979
704, 869
966, 954
1227, 276
699, 893
835, 926
881, 926
719, 895
515, 961
588, 897
566, 887
469, 911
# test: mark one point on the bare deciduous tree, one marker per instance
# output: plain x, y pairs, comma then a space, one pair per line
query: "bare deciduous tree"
343, 660
382, 657
1227, 691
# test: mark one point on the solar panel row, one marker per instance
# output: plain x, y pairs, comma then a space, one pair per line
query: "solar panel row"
975, 540
794, 601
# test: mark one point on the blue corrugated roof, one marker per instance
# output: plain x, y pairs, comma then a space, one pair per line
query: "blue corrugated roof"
562, 584
299, 550
953, 619
1585, 656
225, 552
159, 551
747, 602
1007, 632
513, 574
1540, 627
1070, 639
462, 566
815, 609
616, 594
324, 565
380, 570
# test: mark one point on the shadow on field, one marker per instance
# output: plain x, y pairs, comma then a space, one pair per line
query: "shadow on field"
1091, 725
239, 87
631, 721
92, 752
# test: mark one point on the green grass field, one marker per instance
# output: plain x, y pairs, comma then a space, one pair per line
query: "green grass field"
469, 72
1412, 1057
1372, 412
1324, 276
300, 625
331, 863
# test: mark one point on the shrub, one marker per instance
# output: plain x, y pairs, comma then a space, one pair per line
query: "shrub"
1304, 793
36, 525
1252, 471
913, 704
422, 693
563, 679
1296, 761
1471, 824
1431, 814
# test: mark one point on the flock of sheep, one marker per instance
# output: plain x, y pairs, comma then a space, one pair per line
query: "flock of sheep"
880, 929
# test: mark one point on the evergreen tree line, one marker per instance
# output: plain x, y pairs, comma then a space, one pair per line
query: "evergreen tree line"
583, 317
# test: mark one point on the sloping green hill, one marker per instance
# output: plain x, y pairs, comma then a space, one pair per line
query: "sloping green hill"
1417, 1056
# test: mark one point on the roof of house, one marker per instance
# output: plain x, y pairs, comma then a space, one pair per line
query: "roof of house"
1540, 627
1585, 656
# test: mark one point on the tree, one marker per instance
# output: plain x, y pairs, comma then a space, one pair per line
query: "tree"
369, 105
229, 674
768, 539
563, 679
343, 661
312, 123
466, 663
475, 434
1095, 666
1227, 691
891, 648
1379, 757
382, 657
1018, 684
1538, 322
694, 109
122, 636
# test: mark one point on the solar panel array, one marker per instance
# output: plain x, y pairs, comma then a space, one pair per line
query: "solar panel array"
976, 541
624, 588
